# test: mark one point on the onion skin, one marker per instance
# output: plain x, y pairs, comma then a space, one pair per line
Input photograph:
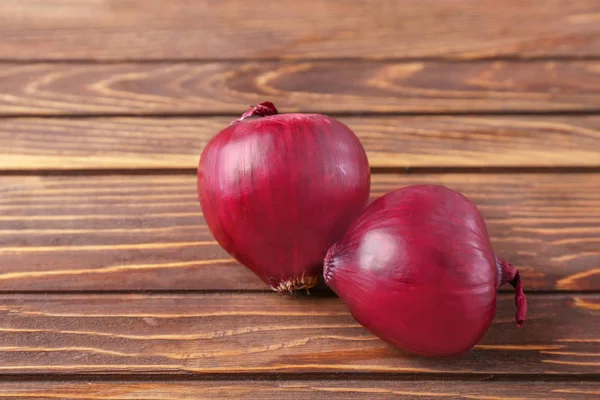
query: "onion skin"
278, 191
418, 270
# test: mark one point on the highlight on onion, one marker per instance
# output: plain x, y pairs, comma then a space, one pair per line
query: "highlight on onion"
279, 190
417, 269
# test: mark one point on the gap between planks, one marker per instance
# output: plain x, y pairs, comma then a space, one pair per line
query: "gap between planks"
341, 376
374, 171
242, 60
335, 114
318, 292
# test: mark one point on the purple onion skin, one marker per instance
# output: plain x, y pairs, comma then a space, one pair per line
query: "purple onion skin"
418, 270
278, 191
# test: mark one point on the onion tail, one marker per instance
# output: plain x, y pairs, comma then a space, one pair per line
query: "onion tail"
263, 109
507, 273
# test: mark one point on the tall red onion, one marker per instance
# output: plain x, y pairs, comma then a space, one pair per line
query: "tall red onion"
278, 191
418, 270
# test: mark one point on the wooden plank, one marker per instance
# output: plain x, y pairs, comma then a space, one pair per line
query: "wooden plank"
205, 29
147, 232
324, 87
316, 390
264, 333
433, 141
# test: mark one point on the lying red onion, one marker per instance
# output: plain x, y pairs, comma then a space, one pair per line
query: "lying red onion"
417, 269
278, 191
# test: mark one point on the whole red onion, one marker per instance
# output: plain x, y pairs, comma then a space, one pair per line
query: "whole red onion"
278, 191
417, 269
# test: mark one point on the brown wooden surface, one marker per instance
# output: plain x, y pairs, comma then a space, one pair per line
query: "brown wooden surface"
316, 390
95, 266
229, 87
148, 232
399, 141
265, 333
89, 29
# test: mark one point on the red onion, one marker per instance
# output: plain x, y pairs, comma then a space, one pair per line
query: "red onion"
417, 269
278, 191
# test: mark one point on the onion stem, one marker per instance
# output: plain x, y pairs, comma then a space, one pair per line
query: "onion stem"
507, 273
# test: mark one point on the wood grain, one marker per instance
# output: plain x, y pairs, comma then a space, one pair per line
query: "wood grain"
189, 67
324, 87
404, 141
264, 333
205, 29
315, 390
148, 233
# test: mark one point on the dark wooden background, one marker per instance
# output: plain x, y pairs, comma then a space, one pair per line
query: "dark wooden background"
111, 286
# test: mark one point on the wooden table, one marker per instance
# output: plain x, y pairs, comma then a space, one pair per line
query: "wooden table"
112, 286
